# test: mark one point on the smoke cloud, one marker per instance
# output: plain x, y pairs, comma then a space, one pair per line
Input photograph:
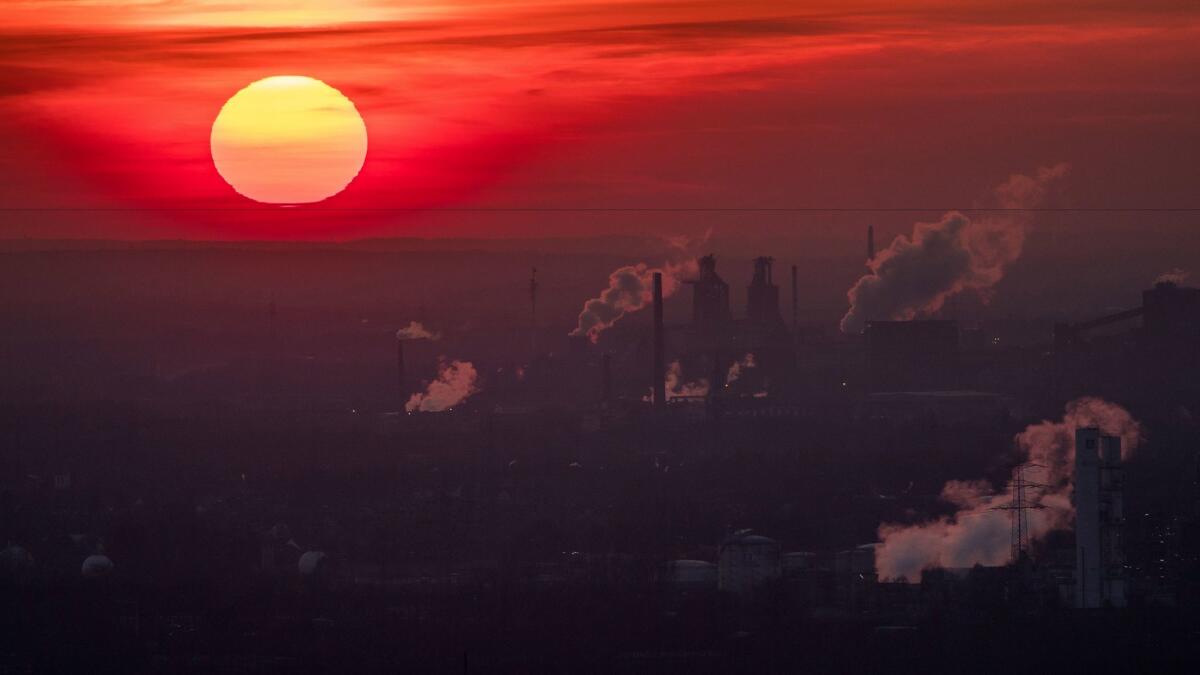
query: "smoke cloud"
1175, 276
738, 367
456, 381
685, 242
630, 288
416, 331
676, 385
914, 276
979, 534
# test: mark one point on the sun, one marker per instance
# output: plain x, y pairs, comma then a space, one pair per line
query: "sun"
289, 139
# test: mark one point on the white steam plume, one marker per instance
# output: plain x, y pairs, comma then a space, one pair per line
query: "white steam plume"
1175, 276
630, 288
455, 382
677, 386
978, 534
738, 367
913, 277
686, 242
416, 331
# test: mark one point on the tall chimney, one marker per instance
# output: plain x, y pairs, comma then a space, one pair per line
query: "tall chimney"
660, 366
1086, 498
870, 243
533, 290
795, 303
272, 313
400, 372
606, 377
718, 374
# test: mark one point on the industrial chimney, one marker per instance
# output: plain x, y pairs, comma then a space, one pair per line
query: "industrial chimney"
762, 296
606, 377
400, 372
533, 327
718, 374
795, 303
660, 366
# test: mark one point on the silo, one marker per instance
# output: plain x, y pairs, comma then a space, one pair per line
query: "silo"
798, 562
96, 566
311, 564
749, 564
691, 575
16, 565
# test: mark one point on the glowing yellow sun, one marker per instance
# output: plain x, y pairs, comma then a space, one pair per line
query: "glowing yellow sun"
288, 139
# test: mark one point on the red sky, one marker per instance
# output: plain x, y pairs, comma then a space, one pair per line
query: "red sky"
564, 104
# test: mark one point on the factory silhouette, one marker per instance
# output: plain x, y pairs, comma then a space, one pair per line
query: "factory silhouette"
674, 486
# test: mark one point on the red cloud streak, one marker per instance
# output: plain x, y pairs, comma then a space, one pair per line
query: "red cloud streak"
643, 104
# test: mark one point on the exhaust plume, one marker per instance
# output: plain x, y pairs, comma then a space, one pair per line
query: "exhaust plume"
738, 367
685, 242
629, 290
677, 386
1175, 276
416, 331
978, 534
914, 276
455, 382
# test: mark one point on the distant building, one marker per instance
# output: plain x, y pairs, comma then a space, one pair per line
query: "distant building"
1170, 317
1099, 516
1171, 313
913, 355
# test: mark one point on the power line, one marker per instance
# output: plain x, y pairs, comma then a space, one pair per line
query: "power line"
584, 209
1019, 509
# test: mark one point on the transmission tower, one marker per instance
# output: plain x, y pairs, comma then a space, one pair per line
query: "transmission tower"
1019, 508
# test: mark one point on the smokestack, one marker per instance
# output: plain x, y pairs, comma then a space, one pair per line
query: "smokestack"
533, 289
870, 243
718, 374
795, 303
660, 366
1088, 560
606, 377
400, 371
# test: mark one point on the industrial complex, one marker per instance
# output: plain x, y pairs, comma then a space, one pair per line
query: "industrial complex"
706, 480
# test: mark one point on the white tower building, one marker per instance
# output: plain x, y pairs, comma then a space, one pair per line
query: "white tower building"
1112, 521
1099, 517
